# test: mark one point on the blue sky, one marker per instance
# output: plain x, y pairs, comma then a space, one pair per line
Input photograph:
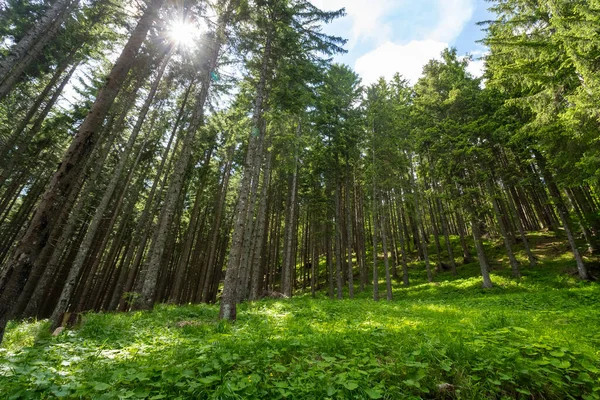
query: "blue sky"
388, 36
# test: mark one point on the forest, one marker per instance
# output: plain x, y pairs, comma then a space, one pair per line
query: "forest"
196, 201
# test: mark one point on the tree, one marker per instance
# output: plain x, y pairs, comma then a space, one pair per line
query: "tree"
286, 31
43, 221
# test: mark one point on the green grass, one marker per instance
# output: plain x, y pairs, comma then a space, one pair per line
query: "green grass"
533, 338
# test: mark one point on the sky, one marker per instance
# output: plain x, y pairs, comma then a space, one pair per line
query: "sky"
389, 36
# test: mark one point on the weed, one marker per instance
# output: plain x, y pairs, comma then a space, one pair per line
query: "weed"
529, 338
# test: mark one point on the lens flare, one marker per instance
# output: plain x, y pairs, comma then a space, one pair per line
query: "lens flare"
183, 33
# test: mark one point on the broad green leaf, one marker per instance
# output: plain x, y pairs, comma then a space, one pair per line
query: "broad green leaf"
279, 368
101, 386
374, 393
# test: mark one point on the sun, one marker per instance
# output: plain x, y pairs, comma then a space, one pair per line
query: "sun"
183, 33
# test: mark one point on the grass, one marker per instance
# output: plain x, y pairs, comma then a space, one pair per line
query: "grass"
532, 338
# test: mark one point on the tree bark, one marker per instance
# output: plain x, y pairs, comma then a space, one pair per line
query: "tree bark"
229, 297
563, 214
262, 226
47, 263
350, 239
17, 158
514, 264
211, 265
338, 243
36, 236
483, 261
177, 179
386, 261
405, 278
30, 46
516, 217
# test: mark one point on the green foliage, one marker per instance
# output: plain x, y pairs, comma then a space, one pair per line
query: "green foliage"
535, 337
544, 58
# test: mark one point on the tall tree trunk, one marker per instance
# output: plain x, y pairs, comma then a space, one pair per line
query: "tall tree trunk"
289, 265
31, 45
249, 228
516, 217
36, 236
338, 243
329, 261
375, 249
436, 233
17, 158
405, 278
229, 297
483, 261
463, 240
563, 214
359, 220
420, 225
386, 261
587, 234
211, 265
108, 192
176, 182
262, 227
514, 264
190, 235
349, 235
48, 262
17, 133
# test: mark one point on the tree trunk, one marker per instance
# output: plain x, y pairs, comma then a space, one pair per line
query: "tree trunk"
504, 231
177, 180
36, 236
386, 261
375, 249
420, 225
17, 133
48, 262
211, 265
17, 158
587, 234
405, 278
516, 217
349, 235
338, 243
563, 214
229, 298
483, 261
30, 46
190, 236
262, 227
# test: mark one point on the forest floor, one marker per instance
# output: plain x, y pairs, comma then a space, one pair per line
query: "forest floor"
533, 338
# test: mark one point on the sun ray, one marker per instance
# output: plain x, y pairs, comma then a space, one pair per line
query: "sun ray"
183, 33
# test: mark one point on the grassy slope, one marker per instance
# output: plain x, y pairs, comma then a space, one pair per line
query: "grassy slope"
536, 338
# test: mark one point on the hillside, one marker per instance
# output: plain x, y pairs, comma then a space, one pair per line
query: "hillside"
532, 338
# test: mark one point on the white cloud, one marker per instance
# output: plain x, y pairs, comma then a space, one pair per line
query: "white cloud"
390, 58
409, 58
476, 68
366, 17
453, 14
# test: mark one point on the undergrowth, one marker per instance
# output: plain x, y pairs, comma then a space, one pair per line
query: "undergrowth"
532, 338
